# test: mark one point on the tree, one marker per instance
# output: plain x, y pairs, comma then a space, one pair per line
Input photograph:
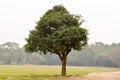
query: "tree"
10, 48
57, 32
10, 45
114, 55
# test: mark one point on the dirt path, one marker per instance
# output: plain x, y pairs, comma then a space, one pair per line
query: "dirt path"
99, 76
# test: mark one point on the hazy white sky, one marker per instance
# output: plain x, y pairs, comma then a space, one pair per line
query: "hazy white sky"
102, 18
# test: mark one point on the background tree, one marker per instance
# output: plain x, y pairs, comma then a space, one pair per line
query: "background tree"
114, 55
57, 32
97, 54
11, 53
9, 47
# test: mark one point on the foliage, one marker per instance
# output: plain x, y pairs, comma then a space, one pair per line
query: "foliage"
56, 32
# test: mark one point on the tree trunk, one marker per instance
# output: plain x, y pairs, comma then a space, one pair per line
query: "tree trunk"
63, 60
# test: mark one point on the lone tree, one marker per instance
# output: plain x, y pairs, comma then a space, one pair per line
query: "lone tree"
57, 32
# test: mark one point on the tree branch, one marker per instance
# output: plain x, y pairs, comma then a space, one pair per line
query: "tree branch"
51, 51
68, 50
60, 56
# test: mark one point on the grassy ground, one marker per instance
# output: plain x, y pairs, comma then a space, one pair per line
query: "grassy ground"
33, 72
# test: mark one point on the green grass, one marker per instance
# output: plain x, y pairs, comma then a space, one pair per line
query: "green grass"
33, 72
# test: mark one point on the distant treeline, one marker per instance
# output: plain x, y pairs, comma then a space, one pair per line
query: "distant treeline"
98, 54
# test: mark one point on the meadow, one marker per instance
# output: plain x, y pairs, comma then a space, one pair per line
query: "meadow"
35, 72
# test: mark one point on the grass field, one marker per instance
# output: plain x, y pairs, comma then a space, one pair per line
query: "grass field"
34, 72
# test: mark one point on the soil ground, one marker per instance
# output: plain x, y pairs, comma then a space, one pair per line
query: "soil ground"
98, 76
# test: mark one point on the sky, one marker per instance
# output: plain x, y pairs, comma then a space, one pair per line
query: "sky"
18, 17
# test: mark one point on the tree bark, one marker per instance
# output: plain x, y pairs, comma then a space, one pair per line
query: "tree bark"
64, 58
